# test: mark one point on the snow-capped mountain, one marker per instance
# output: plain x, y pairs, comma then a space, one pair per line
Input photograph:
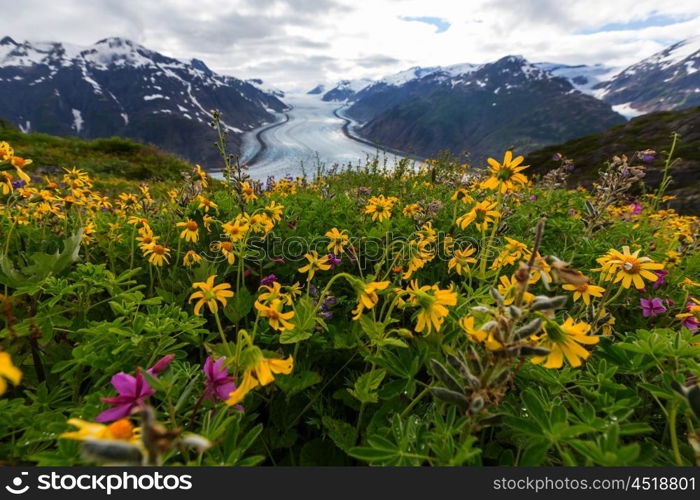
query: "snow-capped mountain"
479, 108
117, 87
667, 80
583, 77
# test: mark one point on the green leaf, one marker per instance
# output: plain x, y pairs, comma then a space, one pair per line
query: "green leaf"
342, 433
366, 386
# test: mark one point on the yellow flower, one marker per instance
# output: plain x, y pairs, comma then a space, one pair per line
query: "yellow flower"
368, 297
191, 258
411, 209
379, 207
687, 282
236, 230
585, 291
478, 335
8, 371
205, 204
121, 430
274, 211
146, 238
315, 263
19, 164
190, 231
462, 195
461, 260
564, 341
482, 214
261, 373
226, 249
202, 176
208, 294
431, 302
275, 317
628, 268
339, 239
248, 192
158, 254
509, 289
511, 253
274, 292
506, 176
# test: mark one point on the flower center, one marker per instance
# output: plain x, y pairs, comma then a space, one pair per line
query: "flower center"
631, 266
191, 226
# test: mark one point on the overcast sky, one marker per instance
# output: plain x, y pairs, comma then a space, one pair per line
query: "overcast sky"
295, 44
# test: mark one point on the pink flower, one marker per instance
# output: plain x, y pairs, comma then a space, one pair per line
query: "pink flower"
218, 382
635, 209
661, 273
652, 307
132, 391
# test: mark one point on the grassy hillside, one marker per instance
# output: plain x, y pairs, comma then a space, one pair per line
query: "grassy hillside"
652, 131
109, 157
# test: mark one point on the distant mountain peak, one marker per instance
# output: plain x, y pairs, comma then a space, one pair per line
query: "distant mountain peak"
8, 41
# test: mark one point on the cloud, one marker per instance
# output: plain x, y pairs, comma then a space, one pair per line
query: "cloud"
295, 44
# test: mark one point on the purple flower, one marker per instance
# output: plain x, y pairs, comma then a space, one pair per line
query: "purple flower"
691, 323
556, 157
218, 382
278, 260
268, 280
635, 208
132, 391
533, 197
333, 260
661, 273
652, 307
572, 212
18, 183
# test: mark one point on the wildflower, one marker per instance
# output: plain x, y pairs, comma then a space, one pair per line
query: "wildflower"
652, 307
333, 261
132, 391
635, 209
411, 209
248, 192
482, 214
274, 291
260, 373
158, 254
202, 176
226, 249
584, 291
461, 260
367, 297
564, 341
19, 164
379, 207
661, 274
462, 195
235, 230
687, 282
191, 258
121, 430
208, 294
509, 288
275, 317
206, 204
190, 231
511, 253
218, 383
506, 176
274, 211
315, 263
628, 268
691, 318
478, 335
8, 371
268, 280
146, 238
338, 240
431, 302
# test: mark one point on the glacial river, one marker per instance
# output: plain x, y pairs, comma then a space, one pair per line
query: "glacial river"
309, 134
